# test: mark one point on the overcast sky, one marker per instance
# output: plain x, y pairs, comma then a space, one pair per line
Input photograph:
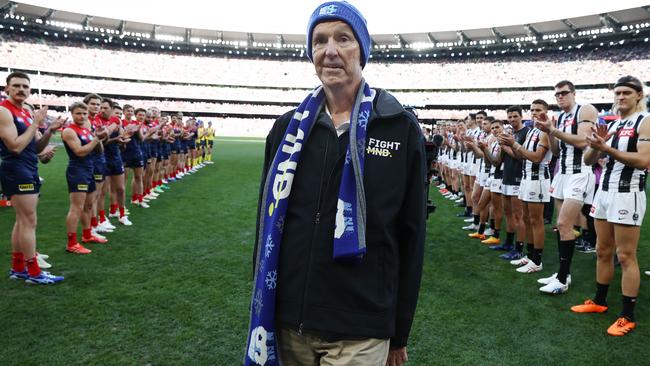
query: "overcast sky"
384, 17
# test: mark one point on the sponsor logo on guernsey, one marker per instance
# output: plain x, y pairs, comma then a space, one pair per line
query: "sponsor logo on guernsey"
26, 187
626, 132
382, 148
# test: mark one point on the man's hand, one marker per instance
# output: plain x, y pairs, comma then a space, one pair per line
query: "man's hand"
40, 116
397, 356
543, 123
47, 154
599, 137
506, 139
57, 124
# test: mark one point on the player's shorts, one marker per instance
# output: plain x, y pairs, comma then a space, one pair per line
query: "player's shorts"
510, 190
579, 187
164, 152
80, 180
153, 151
619, 208
202, 143
536, 191
176, 147
191, 144
114, 167
211, 143
495, 185
482, 179
133, 162
99, 170
469, 169
19, 181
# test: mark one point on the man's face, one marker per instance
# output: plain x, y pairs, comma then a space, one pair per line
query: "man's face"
79, 116
18, 89
117, 112
626, 99
485, 125
105, 110
564, 97
336, 54
537, 110
93, 106
128, 113
479, 119
496, 128
140, 116
514, 118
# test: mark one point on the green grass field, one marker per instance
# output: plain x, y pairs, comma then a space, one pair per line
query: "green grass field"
174, 288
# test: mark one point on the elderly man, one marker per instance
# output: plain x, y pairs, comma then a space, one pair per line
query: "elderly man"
338, 255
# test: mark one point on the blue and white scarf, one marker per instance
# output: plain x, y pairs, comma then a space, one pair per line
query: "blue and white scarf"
349, 234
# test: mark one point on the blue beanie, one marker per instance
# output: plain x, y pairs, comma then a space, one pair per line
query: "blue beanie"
344, 11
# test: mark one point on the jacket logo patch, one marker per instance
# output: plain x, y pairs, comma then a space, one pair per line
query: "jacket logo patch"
382, 148
25, 187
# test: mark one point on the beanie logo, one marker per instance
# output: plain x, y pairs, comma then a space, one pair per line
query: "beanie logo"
328, 10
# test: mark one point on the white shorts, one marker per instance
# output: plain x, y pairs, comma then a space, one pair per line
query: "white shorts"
619, 208
483, 179
454, 163
467, 169
535, 190
472, 169
495, 185
510, 190
579, 187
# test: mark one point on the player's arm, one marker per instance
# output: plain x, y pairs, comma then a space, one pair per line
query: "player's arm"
44, 140
71, 139
535, 156
587, 118
639, 159
492, 159
9, 135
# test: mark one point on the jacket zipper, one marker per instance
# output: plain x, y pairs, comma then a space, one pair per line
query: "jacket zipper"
313, 237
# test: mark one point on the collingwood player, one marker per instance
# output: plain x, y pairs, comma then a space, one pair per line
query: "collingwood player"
535, 184
573, 186
619, 205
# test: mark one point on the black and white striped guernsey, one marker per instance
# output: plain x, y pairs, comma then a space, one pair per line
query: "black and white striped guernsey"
496, 172
571, 161
618, 177
530, 170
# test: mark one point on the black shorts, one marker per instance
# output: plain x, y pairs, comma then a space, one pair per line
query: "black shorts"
210, 143
133, 162
80, 180
19, 181
99, 171
114, 168
191, 144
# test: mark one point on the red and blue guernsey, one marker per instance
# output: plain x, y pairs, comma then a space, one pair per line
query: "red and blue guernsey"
27, 159
19, 172
85, 137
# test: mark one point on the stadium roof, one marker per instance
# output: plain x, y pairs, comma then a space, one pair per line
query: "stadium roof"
589, 25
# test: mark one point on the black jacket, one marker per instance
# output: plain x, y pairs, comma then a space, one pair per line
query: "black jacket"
377, 297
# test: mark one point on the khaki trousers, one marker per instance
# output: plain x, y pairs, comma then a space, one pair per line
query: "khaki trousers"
305, 350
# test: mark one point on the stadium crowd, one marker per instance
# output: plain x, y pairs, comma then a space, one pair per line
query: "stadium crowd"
587, 67
593, 173
103, 140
